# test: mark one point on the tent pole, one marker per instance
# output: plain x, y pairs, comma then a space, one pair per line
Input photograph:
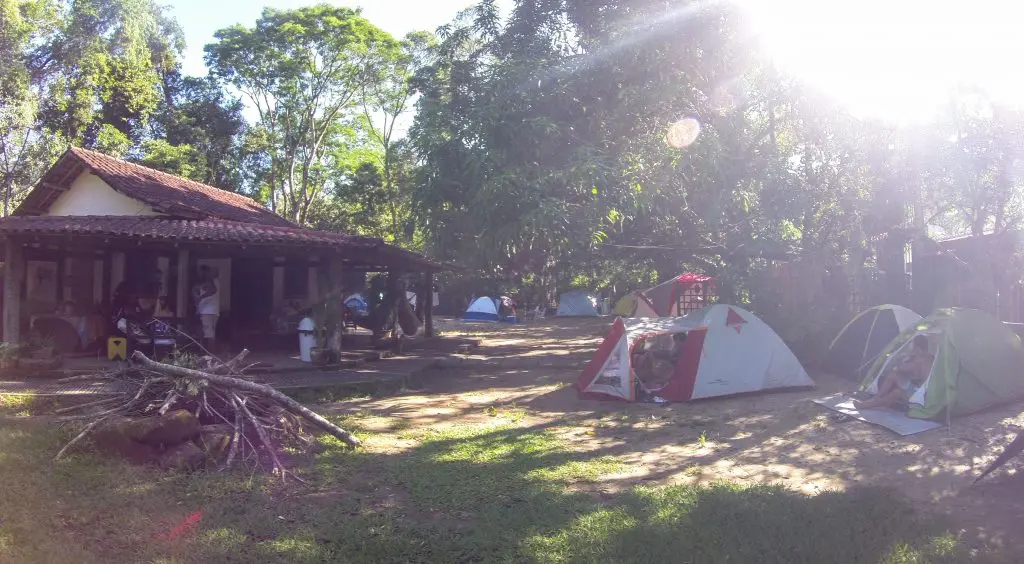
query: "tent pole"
867, 341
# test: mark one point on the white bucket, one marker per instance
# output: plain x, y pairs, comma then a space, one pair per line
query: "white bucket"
307, 339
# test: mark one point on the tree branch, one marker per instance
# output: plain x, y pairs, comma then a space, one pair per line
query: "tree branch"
254, 388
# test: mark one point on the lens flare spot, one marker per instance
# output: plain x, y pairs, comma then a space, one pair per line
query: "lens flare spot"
682, 133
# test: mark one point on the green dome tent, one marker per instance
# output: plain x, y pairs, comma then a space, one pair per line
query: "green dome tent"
979, 363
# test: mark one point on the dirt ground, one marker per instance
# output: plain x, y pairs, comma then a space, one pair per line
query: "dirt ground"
771, 438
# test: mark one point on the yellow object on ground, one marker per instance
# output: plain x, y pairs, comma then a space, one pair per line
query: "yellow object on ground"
117, 348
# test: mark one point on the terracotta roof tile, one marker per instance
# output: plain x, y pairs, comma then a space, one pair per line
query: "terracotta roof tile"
175, 195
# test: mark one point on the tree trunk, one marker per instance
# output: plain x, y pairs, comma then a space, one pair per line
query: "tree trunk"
334, 306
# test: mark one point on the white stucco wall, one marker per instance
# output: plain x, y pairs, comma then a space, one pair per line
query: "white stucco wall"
90, 195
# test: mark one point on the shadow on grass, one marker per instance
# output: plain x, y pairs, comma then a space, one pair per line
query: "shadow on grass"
462, 495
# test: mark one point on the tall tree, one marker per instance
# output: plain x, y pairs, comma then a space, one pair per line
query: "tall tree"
385, 102
21, 149
82, 73
104, 69
303, 71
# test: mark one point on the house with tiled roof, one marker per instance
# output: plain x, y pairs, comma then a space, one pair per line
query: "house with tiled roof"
95, 227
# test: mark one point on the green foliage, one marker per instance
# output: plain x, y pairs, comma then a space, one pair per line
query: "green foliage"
198, 113
106, 61
545, 157
112, 141
180, 160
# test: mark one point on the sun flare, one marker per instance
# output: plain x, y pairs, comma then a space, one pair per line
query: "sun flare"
895, 59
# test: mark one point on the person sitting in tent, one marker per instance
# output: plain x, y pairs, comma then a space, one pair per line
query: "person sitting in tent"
655, 367
906, 377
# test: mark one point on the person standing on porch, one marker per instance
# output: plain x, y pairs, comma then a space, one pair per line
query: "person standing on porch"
207, 299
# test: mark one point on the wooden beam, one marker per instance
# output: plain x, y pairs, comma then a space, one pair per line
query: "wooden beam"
14, 275
53, 186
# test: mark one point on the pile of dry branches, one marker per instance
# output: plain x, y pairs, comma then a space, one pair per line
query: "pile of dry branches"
262, 419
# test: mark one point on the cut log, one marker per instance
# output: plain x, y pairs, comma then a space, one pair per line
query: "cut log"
215, 441
110, 439
172, 428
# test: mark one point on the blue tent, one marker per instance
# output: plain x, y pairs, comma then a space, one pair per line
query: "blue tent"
357, 303
482, 309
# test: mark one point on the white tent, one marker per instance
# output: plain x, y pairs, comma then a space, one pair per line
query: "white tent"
482, 309
727, 351
577, 303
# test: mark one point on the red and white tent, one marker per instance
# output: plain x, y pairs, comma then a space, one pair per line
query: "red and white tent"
727, 351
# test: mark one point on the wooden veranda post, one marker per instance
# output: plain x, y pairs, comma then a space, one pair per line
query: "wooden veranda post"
182, 289
14, 273
428, 306
335, 277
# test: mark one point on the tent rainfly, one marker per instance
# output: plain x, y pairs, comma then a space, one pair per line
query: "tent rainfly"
727, 351
673, 298
482, 309
856, 347
978, 364
577, 303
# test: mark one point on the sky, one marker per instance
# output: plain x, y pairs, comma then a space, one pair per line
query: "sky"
894, 60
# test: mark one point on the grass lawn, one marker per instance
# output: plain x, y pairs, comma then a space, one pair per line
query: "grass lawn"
496, 491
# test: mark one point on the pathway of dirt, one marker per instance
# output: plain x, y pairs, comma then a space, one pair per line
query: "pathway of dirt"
771, 438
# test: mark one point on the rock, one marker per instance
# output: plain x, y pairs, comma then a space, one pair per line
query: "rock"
172, 428
215, 440
185, 456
